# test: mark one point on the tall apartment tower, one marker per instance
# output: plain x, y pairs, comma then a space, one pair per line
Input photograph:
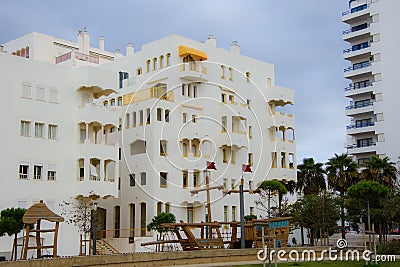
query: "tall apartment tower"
373, 56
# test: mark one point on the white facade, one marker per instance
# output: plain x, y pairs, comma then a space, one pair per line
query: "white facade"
180, 103
373, 56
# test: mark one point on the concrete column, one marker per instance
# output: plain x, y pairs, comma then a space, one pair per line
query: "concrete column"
102, 135
116, 135
102, 170
86, 165
87, 133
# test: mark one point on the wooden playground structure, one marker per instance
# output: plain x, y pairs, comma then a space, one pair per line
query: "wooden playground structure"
221, 235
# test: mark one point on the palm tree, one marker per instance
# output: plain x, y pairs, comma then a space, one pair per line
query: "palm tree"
310, 177
342, 173
380, 170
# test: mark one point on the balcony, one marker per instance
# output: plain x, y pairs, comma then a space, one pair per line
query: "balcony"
280, 95
355, 13
78, 56
359, 31
193, 71
361, 107
363, 148
91, 112
358, 88
357, 69
357, 51
360, 128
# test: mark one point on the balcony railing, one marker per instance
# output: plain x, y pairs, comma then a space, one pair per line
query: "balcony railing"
358, 66
356, 28
360, 105
358, 86
362, 46
361, 125
79, 56
368, 144
355, 9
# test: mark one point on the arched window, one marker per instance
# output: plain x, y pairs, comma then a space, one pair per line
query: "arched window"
166, 115
27, 52
195, 91
154, 63
147, 65
222, 72
159, 114
290, 134
230, 74
269, 82
161, 61
168, 59
248, 77
139, 71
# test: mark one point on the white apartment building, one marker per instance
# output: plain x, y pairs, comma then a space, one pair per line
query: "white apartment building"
373, 56
137, 130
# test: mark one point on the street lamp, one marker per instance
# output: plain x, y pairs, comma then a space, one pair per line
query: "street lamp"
94, 226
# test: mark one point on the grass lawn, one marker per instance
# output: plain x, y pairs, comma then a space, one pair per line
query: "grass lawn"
329, 264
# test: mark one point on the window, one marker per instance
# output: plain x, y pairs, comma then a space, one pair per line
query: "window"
232, 99
39, 130
139, 71
195, 91
248, 77
119, 101
251, 210
163, 179
112, 102
226, 213
223, 98
222, 72
196, 178
365, 142
190, 213
159, 114
233, 184
184, 150
250, 160
230, 74
185, 179
250, 132
105, 103
183, 90
283, 159
24, 171
141, 118
127, 120
154, 63
274, 159
163, 148
143, 178
224, 124
37, 172
233, 156
122, 76
134, 119
132, 181
40, 93
147, 116
225, 183
195, 150
51, 175
189, 92
53, 131
161, 61
167, 207
194, 118
167, 63
224, 155
26, 91
250, 185
248, 103
25, 128
233, 213
185, 117
147, 65
166, 115
53, 96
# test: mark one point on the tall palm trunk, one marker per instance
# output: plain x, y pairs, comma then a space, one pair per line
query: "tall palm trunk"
342, 215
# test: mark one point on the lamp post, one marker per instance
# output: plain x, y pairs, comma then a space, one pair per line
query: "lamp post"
241, 203
94, 226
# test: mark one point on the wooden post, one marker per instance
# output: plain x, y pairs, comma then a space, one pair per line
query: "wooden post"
26, 243
38, 243
55, 240
208, 198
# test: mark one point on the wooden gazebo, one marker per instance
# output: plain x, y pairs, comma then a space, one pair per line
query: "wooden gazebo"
34, 215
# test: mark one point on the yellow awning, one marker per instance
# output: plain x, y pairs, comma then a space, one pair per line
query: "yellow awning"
196, 54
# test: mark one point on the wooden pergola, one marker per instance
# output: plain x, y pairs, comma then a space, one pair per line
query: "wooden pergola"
34, 215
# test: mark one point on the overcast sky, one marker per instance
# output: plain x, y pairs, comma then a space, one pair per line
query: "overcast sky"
301, 38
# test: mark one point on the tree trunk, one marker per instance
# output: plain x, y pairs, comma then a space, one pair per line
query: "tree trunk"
302, 235
15, 246
342, 215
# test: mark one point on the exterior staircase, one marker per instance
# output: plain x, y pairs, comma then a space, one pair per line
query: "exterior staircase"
104, 248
